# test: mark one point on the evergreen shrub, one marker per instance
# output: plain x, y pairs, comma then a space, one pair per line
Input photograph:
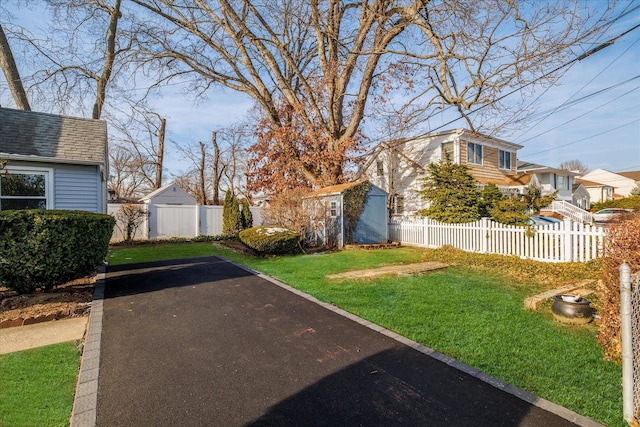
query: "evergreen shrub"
46, 248
270, 240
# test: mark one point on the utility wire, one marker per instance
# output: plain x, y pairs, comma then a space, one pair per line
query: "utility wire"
581, 115
583, 139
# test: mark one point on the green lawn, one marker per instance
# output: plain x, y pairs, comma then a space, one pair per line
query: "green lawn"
37, 386
472, 313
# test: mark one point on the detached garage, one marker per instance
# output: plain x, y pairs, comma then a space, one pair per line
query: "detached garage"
353, 213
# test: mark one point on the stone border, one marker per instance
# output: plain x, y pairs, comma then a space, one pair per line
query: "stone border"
530, 398
85, 401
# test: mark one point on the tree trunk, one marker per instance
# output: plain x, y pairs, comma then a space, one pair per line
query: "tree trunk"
10, 70
202, 193
160, 154
109, 59
216, 168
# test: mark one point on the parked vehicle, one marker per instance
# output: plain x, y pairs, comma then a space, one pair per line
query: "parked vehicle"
606, 215
541, 220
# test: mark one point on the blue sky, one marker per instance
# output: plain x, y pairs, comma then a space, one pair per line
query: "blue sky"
601, 127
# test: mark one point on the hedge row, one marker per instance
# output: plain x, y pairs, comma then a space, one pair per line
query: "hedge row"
270, 240
46, 248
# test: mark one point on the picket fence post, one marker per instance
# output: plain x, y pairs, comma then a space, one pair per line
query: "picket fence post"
567, 249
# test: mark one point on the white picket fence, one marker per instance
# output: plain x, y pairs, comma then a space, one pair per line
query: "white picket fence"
564, 242
167, 221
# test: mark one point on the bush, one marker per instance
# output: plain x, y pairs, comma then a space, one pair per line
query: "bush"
43, 249
631, 202
622, 245
231, 215
270, 240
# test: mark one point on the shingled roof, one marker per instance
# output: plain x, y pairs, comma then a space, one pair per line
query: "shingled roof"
50, 137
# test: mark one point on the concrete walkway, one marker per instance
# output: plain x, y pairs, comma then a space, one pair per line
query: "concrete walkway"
31, 336
205, 342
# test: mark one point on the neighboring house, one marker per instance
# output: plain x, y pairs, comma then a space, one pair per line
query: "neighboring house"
598, 192
622, 182
399, 166
326, 208
52, 162
550, 179
581, 197
170, 194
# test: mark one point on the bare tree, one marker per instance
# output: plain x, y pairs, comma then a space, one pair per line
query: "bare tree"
10, 70
218, 168
141, 132
194, 181
574, 165
322, 61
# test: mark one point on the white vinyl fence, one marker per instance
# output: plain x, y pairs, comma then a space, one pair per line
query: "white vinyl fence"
564, 242
167, 221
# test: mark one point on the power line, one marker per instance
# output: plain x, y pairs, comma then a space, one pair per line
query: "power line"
583, 139
581, 115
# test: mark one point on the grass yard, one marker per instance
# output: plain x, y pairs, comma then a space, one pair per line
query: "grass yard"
472, 311
37, 386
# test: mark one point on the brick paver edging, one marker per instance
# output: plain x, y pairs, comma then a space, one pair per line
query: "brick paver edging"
86, 398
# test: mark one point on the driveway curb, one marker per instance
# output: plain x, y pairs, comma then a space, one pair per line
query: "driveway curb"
85, 401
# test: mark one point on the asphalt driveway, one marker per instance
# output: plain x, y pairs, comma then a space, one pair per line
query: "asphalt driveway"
202, 342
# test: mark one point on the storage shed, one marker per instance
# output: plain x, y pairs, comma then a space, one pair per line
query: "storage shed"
170, 194
353, 213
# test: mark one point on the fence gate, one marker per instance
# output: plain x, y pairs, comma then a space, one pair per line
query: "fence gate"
630, 318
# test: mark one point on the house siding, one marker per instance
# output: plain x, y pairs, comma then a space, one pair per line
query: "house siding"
77, 188
490, 168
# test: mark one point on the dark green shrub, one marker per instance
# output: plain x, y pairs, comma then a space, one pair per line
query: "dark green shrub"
43, 249
231, 216
246, 217
270, 240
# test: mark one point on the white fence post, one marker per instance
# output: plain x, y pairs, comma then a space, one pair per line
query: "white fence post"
484, 235
628, 404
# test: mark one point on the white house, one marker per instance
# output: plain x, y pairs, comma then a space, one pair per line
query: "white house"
597, 192
52, 161
550, 179
170, 194
622, 182
398, 166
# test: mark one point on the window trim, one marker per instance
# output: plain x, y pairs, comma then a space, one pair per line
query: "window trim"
469, 151
34, 170
506, 153
397, 207
333, 208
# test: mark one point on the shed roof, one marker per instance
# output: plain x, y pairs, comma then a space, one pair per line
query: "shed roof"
36, 135
334, 189
588, 183
164, 189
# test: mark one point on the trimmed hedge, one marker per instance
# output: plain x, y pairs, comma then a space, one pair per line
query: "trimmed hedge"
45, 248
270, 240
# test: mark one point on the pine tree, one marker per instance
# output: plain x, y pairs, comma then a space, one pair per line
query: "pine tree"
489, 197
246, 216
231, 217
452, 193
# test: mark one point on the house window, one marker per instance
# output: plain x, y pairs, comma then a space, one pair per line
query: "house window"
333, 209
380, 168
474, 153
562, 182
397, 207
24, 189
447, 150
504, 160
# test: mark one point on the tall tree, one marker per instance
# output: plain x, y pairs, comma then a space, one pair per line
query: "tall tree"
322, 61
11, 73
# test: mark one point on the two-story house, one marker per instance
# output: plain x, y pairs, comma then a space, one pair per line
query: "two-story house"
398, 166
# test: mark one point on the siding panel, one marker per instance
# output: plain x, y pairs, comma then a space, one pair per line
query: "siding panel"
77, 188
